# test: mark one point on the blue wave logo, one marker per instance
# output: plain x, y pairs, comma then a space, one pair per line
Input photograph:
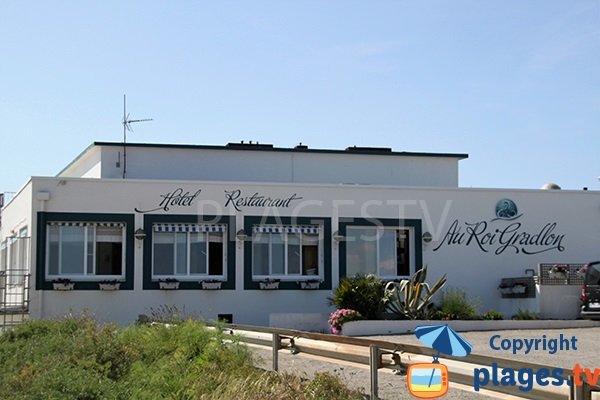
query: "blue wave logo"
507, 209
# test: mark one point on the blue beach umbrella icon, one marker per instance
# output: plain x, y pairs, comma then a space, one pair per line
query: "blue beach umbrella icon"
443, 339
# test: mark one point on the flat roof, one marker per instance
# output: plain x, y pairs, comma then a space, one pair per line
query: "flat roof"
379, 151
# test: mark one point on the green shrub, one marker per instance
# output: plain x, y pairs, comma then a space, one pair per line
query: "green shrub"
455, 304
493, 315
525, 315
363, 293
76, 358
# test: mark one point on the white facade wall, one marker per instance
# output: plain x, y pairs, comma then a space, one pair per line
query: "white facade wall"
17, 214
571, 216
225, 164
87, 165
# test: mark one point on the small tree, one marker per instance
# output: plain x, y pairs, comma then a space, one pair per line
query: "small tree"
411, 298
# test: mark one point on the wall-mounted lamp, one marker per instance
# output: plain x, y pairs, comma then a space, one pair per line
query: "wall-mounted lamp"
241, 235
338, 237
139, 234
427, 238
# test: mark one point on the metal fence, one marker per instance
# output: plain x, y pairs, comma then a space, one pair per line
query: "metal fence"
378, 354
14, 297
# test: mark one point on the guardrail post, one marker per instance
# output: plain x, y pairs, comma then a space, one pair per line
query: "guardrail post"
582, 392
374, 367
275, 347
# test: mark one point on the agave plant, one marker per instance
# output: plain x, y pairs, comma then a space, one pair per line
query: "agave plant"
411, 298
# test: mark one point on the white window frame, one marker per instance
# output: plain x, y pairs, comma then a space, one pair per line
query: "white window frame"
411, 250
293, 276
86, 276
189, 276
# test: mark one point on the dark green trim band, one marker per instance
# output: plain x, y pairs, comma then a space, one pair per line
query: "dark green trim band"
41, 283
392, 222
150, 219
249, 221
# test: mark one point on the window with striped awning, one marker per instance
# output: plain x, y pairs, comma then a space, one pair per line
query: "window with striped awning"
309, 229
194, 228
103, 224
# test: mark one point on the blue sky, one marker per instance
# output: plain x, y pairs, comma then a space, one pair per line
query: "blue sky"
515, 84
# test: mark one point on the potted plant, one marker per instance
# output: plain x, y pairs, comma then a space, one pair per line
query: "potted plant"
109, 284
168, 284
310, 284
505, 288
558, 271
211, 284
269, 284
63, 284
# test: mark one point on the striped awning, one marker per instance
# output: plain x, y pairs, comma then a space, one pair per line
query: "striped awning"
98, 223
312, 229
194, 228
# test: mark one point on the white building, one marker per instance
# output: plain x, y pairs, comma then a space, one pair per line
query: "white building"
244, 215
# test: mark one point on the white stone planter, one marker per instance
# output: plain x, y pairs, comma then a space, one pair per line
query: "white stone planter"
557, 275
310, 285
506, 290
372, 328
211, 285
519, 289
63, 285
269, 285
168, 285
110, 286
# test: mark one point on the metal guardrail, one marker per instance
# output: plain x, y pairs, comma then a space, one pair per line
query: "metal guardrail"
379, 354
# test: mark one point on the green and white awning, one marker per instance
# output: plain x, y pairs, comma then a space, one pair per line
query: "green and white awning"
310, 229
80, 223
194, 228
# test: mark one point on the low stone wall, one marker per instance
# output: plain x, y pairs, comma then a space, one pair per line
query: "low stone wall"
370, 328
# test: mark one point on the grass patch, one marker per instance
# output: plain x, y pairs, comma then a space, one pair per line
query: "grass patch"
76, 358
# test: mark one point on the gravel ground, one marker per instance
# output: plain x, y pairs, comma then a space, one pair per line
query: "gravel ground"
394, 387
391, 387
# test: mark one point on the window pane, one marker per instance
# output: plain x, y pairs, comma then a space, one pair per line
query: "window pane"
310, 254
164, 255
109, 251
3, 256
260, 254
361, 251
387, 252
73, 252
215, 258
403, 250
198, 253
53, 246
277, 254
13, 254
293, 253
90, 250
181, 268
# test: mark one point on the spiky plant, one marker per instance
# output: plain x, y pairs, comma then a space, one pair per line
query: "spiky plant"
411, 298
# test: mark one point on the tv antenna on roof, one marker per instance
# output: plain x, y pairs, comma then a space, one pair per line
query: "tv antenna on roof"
127, 127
